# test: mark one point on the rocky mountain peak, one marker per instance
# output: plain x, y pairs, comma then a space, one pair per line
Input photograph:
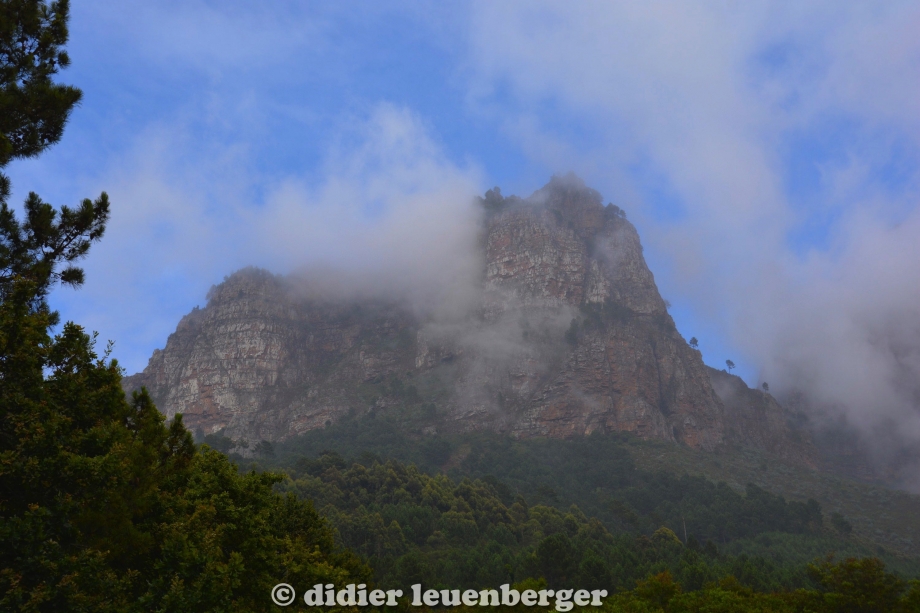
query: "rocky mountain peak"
572, 337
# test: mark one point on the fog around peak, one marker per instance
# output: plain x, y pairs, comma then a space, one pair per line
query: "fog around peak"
769, 157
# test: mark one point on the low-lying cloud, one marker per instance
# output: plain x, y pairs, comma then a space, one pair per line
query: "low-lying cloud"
770, 155
393, 217
388, 214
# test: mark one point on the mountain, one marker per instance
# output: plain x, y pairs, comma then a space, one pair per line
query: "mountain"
568, 336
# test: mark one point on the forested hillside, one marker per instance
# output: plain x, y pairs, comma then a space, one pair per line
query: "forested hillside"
472, 533
631, 484
476, 509
481, 510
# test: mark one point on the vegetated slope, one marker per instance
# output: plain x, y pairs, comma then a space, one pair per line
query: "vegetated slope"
417, 528
881, 518
600, 474
568, 335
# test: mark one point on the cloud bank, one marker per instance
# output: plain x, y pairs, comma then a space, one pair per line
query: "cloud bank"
770, 153
387, 213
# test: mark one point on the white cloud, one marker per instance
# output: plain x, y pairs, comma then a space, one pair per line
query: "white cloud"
391, 214
715, 98
388, 210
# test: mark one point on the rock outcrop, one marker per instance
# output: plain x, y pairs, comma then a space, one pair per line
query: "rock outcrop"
257, 363
625, 366
571, 337
753, 418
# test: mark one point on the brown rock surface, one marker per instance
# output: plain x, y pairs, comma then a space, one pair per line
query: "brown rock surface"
258, 363
572, 337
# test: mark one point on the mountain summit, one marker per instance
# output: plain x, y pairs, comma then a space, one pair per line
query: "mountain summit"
567, 335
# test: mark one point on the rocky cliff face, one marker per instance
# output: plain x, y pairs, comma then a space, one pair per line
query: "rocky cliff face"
570, 337
258, 363
624, 365
754, 418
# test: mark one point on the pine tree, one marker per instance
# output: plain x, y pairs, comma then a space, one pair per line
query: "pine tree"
33, 109
103, 506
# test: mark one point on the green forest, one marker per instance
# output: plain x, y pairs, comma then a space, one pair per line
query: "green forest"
106, 506
481, 509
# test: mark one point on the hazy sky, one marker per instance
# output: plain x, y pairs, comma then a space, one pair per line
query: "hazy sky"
767, 152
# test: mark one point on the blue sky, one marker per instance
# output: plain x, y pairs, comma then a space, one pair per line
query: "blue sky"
767, 152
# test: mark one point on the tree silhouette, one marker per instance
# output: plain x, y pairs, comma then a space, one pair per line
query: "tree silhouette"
766, 388
694, 343
33, 108
730, 365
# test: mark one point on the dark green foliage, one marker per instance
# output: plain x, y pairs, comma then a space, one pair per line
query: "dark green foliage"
556, 560
840, 524
264, 449
218, 442
444, 533
856, 585
612, 210
851, 586
493, 199
416, 527
34, 250
33, 109
759, 538
40, 251
376, 433
103, 506
608, 485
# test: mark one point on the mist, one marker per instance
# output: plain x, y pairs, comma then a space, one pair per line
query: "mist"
387, 214
770, 158
393, 219
846, 334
